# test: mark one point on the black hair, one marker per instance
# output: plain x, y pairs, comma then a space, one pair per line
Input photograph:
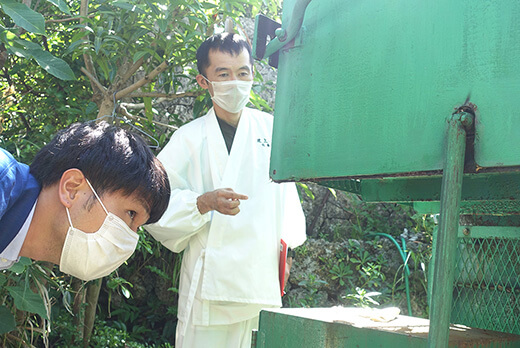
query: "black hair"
230, 43
111, 158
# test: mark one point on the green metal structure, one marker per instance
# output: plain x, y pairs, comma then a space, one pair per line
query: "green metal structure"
365, 87
353, 327
412, 102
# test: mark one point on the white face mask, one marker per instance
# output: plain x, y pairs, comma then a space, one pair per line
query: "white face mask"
90, 256
232, 95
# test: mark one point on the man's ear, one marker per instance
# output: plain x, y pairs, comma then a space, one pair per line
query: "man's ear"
201, 80
71, 182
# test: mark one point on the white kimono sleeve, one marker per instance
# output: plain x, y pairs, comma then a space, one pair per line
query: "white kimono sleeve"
182, 219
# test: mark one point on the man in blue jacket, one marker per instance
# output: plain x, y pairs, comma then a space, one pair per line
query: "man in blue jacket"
81, 201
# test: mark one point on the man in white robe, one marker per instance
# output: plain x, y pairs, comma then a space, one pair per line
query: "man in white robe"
225, 212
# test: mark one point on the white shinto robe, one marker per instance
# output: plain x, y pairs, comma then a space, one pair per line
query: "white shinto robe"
230, 263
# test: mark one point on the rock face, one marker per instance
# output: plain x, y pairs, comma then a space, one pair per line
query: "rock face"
327, 273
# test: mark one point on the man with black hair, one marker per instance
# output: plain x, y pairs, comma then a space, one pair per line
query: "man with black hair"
80, 203
225, 212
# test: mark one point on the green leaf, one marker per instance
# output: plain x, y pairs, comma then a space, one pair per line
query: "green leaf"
62, 5
47, 61
20, 266
115, 38
163, 24
139, 33
148, 108
104, 68
127, 6
6, 35
152, 7
307, 190
126, 292
20, 52
24, 17
97, 44
196, 19
53, 65
139, 55
7, 322
198, 107
26, 300
91, 107
208, 6
28, 45
72, 47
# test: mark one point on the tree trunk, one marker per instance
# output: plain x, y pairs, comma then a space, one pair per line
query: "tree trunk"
90, 311
78, 310
106, 107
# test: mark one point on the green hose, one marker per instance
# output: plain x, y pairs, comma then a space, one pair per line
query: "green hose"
404, 255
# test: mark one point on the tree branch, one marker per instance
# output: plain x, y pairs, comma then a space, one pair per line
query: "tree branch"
317, 212
93, 80
137, 106
131, 71
91, 299
166, 95
144, 81
122, 110
25, 122
68, 19
83, 12
122, 70
140, 106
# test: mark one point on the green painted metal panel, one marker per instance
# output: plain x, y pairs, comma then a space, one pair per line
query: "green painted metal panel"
508, 232
366, 86
481, 209
479, 187
352, 327
482, 194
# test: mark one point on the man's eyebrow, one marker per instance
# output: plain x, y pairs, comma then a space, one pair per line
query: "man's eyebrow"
219, 69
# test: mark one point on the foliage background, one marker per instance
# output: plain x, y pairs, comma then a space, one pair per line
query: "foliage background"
132, 62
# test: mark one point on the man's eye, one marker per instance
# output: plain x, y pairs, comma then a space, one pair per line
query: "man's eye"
132, 214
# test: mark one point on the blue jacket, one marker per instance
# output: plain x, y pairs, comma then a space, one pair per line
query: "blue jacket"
18, 192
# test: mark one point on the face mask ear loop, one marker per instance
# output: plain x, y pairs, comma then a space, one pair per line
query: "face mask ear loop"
95, 194
211, 84
68, 215
205, 78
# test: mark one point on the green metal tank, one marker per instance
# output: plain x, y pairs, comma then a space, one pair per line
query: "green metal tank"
365, 87
412, 102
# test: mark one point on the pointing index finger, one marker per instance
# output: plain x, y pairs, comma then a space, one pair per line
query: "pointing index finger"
235, 196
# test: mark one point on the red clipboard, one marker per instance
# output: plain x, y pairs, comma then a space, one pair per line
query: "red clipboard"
281, 266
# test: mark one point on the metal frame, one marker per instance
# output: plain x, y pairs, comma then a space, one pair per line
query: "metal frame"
446, 239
